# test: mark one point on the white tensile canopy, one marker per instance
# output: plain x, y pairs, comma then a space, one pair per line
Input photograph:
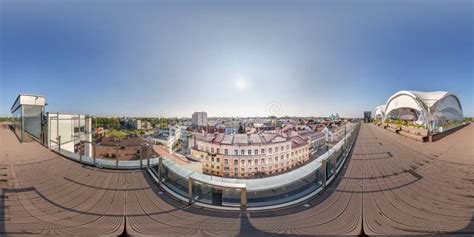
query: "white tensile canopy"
380, 112
424, 107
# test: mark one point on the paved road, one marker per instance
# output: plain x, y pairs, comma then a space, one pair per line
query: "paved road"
390, 185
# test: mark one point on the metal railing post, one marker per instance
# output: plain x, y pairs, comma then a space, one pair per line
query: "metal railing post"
190, 191
324, 173
160, 168
116, 156
141, 158
147, 157
80, 150
93, 153
243, 199
58, 139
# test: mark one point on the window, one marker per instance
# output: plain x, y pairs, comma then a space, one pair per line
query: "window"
236, 162
287, 147
242, 170
287, 156
256, 161
262, 161
79, 129
276, 149
249, 162
282, 157
212, 159
256, 152
218, 160
270, 150
236, 170
218, 150
226, 161
249, 152
212, 166
242, 152
226, 151
262, 151
282, 148
212, 150
276, 158
236, 152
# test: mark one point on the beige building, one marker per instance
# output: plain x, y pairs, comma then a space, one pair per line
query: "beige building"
246, 155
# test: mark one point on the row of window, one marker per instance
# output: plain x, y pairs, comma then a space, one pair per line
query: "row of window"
246, 152
251, 172
262, 161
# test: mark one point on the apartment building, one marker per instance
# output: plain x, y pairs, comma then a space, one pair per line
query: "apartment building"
199, 119
247, 155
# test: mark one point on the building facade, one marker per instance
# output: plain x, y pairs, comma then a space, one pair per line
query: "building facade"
248, 155
199, 119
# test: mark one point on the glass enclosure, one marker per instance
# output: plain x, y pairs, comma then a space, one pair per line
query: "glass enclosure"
18, 123
32, 116
27, 123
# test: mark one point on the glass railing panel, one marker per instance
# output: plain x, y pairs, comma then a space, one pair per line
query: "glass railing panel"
231, 197
287, 193
70, 155
204, 193
175, 182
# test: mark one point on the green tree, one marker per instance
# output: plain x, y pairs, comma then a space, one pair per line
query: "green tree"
241, 128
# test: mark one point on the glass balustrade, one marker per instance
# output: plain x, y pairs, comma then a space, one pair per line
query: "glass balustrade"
262, 192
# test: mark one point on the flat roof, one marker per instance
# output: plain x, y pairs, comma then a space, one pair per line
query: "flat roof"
18, 103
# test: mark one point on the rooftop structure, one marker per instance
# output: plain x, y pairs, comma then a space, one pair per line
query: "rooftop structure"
431, 109
28, 112
380, 112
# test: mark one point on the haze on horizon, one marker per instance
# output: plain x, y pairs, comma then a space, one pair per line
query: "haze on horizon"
233, 58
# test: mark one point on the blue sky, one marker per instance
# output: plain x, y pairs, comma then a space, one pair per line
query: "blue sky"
233, 58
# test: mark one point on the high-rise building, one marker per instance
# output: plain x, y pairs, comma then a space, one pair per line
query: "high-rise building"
199, 119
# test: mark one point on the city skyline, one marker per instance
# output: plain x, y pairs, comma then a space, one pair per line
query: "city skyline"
170, 59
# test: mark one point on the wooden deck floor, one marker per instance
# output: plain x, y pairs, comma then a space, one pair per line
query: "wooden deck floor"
391, 185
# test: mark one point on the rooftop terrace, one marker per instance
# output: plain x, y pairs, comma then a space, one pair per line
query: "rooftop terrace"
391, 185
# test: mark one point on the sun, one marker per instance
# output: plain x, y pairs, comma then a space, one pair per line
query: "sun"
240, 83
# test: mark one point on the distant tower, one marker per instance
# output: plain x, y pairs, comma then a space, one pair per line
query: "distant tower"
199, 119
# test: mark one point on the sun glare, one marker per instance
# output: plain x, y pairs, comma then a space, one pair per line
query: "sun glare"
240, 83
